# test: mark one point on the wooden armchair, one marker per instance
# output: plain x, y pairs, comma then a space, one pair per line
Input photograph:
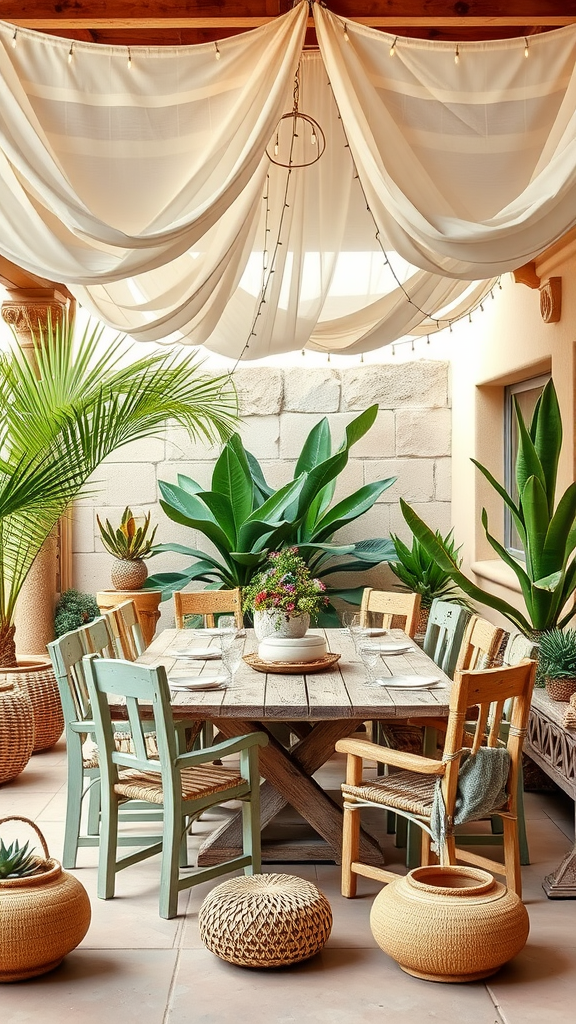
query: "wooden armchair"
409, 791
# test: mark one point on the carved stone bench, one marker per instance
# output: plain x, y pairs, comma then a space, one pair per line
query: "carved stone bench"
553, 748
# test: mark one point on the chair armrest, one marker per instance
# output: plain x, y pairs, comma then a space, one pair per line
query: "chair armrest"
387, 755
219, 750
86, 725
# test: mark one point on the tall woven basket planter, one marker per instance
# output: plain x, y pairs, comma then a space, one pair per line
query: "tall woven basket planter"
42, 917
449, 923
16, 731
35, 677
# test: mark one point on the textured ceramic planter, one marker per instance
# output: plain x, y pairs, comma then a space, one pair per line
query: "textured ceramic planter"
273, 623
449, 923
560, 688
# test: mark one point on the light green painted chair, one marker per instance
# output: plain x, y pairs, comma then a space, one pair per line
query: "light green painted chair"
444, 634
83, 773
184, 785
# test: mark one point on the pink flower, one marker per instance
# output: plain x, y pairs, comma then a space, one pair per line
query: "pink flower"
290, 606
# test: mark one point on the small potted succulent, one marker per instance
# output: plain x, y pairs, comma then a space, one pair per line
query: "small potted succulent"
44, 911
283, 596
557, 662
130, 544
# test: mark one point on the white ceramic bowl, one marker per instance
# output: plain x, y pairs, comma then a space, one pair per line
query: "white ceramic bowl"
292, 649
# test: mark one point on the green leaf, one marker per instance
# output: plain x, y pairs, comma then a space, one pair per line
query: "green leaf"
360, 426
260, 486
273, 508
507, 498
230, 479
523, 578
546, 434
221, 508
527, 462
189, 485
556, 549
316, 448
534, 506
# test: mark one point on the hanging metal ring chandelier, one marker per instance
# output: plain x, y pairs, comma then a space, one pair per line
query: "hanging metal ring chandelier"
305, 123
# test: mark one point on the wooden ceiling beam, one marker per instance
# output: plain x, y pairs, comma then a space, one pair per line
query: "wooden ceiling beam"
482, 21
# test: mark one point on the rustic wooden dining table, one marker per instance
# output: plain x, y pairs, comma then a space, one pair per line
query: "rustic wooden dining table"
318, 709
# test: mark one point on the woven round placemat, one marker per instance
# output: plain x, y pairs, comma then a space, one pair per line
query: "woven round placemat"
265, 920
291, 667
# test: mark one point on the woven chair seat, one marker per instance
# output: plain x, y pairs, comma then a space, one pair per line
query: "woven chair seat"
196, 782
408, 791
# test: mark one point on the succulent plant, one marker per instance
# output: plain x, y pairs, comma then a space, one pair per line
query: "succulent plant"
74, 609
420, 572
129, 542
558, 654
17, 861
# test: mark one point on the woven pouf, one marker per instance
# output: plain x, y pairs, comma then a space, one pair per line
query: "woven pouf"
265, 920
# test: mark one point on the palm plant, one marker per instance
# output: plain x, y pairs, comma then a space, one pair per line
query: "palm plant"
245, 518
59, 426
547, 531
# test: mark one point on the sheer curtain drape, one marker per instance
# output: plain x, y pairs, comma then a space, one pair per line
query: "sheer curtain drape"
147, 190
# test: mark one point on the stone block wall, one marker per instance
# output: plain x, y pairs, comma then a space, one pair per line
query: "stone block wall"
411, 440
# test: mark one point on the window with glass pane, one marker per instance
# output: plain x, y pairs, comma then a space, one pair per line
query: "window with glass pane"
526, 393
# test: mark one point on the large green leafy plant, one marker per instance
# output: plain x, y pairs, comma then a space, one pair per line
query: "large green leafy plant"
245, 518
547, 529
58, 425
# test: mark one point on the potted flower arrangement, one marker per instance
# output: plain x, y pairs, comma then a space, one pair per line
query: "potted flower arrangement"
557, 649
283, 596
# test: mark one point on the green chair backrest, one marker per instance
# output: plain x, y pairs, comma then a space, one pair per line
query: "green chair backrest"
444, 634
66, 654
142, 688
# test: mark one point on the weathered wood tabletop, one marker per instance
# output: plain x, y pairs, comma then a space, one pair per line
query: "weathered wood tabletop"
319, 708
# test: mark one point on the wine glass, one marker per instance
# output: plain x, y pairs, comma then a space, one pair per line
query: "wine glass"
232, 651
351, 621
370, 656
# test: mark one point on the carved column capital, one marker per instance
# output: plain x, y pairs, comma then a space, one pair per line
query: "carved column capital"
29, 312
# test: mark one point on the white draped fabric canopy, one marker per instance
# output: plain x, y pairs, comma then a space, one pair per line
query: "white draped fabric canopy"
149, 192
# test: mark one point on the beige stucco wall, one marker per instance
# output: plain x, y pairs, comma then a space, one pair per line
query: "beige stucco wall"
509, 342
411, 440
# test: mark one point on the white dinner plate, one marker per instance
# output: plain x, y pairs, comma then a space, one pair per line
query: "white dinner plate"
208, 681
392, 647
409, 682
202, 653
370, 631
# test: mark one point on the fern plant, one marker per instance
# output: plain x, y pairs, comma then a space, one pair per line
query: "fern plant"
419, 571
17, 861
130, 541
558, 654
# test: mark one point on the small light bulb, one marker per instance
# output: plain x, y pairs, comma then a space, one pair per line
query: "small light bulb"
70, 53
276, 147
14, 38
218, 54
526, 50
393, 47
129, 59
313, 138
346, 36
457, 56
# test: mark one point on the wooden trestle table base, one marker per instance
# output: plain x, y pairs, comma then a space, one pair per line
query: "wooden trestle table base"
319, 709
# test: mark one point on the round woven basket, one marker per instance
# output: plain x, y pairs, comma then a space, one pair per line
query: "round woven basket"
42, 917
16, 731
265, 920
560, 689
449, 923
35, 676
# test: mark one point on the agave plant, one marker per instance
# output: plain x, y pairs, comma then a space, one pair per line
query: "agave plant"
419, 571
245, 518
17, 861
547, 530
57, 427
557, 654
130, 541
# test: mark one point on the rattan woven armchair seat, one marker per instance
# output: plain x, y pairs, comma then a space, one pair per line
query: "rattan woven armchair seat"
196, 782
265, 920
406, 791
